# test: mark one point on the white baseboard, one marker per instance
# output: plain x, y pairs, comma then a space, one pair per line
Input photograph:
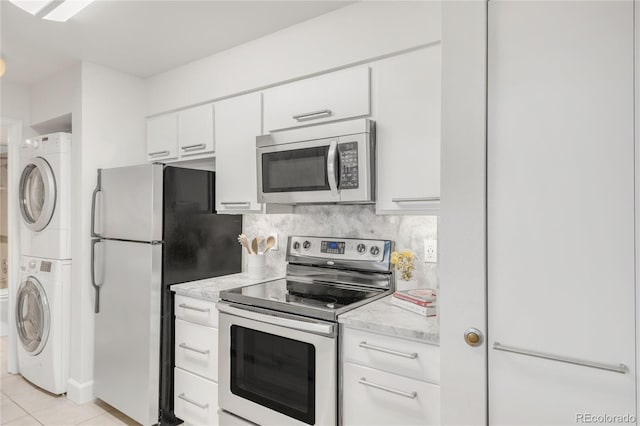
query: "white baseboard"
80, 393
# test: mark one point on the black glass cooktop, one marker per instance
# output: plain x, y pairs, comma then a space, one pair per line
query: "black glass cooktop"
318, 300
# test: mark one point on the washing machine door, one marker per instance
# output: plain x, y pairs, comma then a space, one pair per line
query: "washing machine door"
32, 316
37, 194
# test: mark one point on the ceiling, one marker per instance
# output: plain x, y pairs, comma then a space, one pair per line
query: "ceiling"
142, 37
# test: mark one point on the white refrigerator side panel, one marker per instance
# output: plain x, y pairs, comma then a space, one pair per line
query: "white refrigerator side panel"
127, 327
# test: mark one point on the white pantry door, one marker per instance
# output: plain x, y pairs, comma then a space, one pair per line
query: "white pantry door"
463, 213
560, 228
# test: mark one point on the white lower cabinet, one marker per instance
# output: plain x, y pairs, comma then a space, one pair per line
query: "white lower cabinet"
195, 398
389, 380
196, 356
374, 397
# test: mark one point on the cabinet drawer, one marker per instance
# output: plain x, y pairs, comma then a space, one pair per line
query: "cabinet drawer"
373, 397
195, 399
196, 310
196, 348
399, 356
335, 96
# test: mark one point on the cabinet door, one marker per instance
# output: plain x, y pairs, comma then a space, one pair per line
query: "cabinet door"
162, 137
330, 97
407, 111
373, 397
195, 130
238, 122
560, 172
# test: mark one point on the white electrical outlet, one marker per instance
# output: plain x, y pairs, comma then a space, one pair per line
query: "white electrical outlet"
430, 251
274, 235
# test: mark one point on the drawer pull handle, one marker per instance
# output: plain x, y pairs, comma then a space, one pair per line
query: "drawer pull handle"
415, 200
193, 147
192, 349
194, 308
312, 115
235, 203
412, 355
191, 401
157, 153
410, 395
620, 368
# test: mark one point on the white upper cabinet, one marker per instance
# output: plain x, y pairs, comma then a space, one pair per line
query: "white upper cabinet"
195, 130
162, 137
186, 134
330, 97
238, 122
407, 110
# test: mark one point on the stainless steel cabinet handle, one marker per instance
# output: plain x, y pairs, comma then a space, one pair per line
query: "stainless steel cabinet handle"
193, 147
620, 368
157, 153
236, 203
192, 349
410, 395
313, 115
193, 308
365, 345
191, 401
415, 200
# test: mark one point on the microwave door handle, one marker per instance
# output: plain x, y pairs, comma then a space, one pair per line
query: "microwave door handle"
331, 168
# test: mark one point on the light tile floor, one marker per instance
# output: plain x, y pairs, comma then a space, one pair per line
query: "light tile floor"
22, 403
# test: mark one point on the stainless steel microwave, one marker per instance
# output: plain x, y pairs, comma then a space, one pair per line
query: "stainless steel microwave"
325, 163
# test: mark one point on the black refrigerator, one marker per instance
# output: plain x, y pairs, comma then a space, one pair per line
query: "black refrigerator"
152, 226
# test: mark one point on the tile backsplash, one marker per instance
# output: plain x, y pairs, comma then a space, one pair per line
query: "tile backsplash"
408, 232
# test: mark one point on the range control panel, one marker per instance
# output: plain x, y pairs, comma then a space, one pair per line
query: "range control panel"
351, 249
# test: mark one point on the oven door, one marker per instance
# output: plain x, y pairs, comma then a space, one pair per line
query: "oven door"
277, 369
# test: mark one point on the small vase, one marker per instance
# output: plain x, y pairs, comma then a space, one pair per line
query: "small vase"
402, 285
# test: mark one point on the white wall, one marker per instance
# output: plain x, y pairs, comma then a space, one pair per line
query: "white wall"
346, 36
54, 96
110, 133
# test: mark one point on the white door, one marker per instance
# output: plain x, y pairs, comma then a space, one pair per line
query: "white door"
37, 194
560, 211
462, 238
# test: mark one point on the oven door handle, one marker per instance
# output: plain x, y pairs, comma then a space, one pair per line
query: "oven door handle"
308, 325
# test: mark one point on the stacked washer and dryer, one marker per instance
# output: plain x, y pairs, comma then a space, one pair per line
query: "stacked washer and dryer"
43, 298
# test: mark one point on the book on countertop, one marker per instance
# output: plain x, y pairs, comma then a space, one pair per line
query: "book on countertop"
424, 297
427, 311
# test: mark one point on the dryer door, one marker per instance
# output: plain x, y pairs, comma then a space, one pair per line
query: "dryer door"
37, 194
32, 315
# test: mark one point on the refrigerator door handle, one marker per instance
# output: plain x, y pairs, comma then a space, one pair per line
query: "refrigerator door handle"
94, 198
95, 285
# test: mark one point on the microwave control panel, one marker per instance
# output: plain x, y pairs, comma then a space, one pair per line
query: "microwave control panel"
348, 153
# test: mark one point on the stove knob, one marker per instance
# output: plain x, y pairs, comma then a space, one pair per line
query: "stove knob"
375, 250
361, 248
296, 245
306, 245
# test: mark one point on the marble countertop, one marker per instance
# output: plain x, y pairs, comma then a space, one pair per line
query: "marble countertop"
383, 317
210, 288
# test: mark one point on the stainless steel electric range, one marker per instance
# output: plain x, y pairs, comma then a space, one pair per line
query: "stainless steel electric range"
278, 351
